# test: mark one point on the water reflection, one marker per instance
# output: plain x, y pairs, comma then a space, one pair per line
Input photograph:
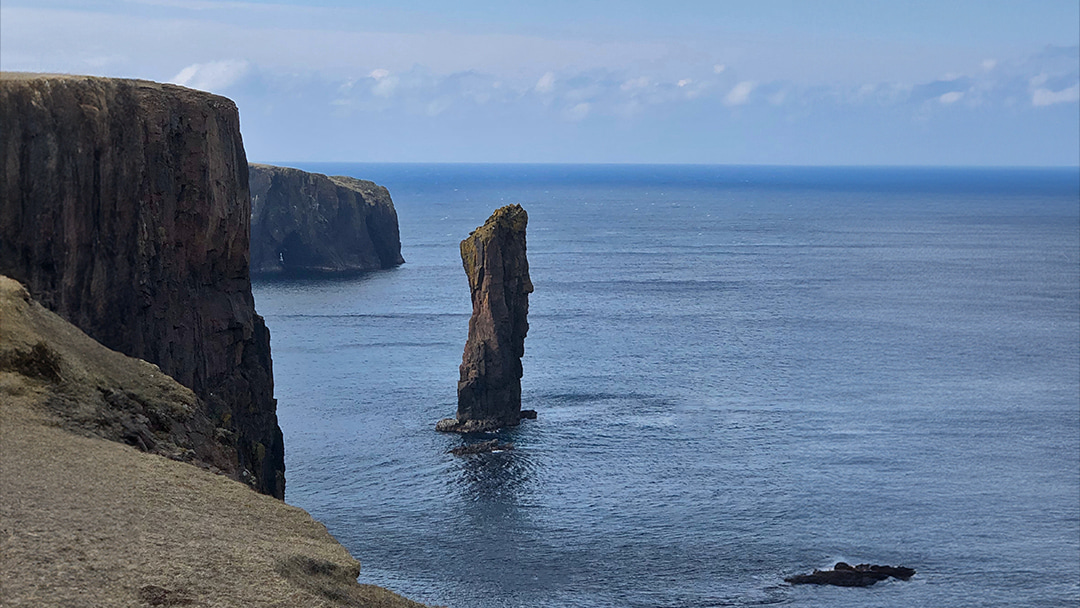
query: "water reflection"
494, 478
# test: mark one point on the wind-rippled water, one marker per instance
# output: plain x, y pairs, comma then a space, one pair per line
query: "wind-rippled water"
741, 374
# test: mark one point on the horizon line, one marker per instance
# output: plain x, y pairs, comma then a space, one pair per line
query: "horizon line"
280, 163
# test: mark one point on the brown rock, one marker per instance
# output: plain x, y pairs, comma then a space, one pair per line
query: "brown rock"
304, 223
489, 389
124, 208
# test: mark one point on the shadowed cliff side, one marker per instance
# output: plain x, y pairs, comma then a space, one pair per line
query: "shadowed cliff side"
124, 207
489, 389
309, 223
89, 522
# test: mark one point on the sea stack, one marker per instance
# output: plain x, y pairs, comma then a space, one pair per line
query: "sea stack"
489, 389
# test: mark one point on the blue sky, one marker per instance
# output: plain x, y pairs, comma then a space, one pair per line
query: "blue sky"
768, 82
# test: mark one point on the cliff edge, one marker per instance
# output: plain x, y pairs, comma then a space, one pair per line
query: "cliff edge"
124, 207
305, 222
90, 522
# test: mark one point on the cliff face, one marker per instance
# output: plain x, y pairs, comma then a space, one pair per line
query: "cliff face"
307, 222
489, 389
124, 208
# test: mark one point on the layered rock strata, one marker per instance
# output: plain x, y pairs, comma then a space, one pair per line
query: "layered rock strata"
304, 223
489, 389
124, 207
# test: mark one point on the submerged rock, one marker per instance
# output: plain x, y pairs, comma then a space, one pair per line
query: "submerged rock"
846, 575
304, 223
489, 389
481, 448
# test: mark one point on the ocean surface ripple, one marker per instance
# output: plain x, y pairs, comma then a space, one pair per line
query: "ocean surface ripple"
741, 373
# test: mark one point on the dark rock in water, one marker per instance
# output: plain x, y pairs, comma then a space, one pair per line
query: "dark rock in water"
453, 425
846, 575
489, 389
124, 208
528, 414
481, 448
310, 223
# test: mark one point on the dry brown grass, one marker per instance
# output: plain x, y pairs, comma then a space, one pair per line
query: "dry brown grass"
89, 522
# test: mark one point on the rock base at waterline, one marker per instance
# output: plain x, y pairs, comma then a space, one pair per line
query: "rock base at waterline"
846, 575
453, 425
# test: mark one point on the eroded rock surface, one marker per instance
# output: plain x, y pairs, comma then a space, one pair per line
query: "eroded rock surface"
489, 389
305, 222
124, 208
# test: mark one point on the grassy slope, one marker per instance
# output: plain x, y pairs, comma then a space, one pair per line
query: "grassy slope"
89, 522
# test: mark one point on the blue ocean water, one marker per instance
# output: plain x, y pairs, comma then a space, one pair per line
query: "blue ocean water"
741, 373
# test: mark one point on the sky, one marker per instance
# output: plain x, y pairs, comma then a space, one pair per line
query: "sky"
779, 82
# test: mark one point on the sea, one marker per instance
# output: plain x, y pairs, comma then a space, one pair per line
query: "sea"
741, 374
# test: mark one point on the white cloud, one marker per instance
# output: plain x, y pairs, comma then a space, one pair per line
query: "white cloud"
384, 87
778, 97
635, 83
437, 106
197, 5
951, 97
989, 64
385, 84
1046, 97
214, 76
740, 94
684, 82
578, 112
719, 68
546, 83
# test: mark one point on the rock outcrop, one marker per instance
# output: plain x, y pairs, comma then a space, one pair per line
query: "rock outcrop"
90, 522
846, 575
304, 223
124, 208
489, 389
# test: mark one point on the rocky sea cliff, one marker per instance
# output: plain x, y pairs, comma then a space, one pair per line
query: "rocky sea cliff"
309, 223
125, 210
125, 214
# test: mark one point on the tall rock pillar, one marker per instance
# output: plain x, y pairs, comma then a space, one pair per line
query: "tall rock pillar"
489, 389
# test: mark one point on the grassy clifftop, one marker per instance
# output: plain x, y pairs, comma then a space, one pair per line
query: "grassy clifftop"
91, 522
